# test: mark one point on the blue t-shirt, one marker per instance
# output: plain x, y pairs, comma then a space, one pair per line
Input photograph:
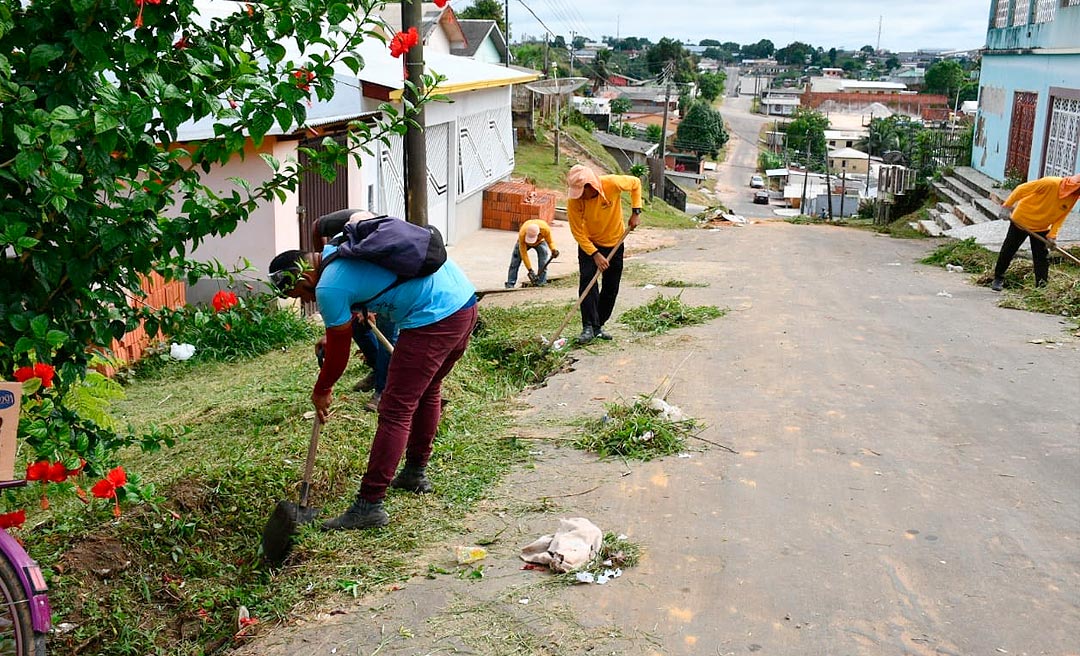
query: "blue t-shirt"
412, 304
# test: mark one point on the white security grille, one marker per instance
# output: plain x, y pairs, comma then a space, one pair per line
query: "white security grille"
437, 140
1045, 10
1071, 3
1001, 16
1020, 12
1063, 138
392, 177
485, 149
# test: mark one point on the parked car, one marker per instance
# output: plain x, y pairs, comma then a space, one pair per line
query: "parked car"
761, 197
757, 182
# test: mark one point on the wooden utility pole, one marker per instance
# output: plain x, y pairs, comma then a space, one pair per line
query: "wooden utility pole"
805, 178
416, 205
658, 181
506, 21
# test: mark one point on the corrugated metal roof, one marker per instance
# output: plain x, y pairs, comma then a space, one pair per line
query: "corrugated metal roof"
623, 143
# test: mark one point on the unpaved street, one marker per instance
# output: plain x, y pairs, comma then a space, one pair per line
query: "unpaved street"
906, 479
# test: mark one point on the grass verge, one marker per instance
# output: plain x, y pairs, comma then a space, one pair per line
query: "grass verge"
169, 575
666, 312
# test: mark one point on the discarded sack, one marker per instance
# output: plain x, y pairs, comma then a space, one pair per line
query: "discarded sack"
570, 548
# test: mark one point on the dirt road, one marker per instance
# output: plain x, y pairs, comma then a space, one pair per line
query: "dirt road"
906, 479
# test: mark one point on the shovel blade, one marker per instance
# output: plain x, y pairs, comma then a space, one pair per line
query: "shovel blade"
277, 537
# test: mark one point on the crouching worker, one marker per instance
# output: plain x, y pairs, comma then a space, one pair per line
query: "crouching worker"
435, 314
534, 234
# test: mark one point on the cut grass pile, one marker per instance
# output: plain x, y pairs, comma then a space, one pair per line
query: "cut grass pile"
641, 430
616, 552
169, 575
1061, 296
666, 312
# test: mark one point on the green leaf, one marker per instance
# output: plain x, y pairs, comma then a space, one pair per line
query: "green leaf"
39, 325
275, 52
28, 163
43, 54
64, 113
261, 123
271, 161
103, 122
24, 134
55, 338
24, 345
56, 153
284, 117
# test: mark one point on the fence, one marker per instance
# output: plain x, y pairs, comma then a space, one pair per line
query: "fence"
159, 293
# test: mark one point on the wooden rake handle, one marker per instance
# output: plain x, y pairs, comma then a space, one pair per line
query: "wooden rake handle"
1052, 246
381, 337
588, 288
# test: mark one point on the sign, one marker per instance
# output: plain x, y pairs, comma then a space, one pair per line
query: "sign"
10, 396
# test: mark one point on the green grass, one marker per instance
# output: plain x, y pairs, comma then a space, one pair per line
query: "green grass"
666, 312
638, 430
182, 563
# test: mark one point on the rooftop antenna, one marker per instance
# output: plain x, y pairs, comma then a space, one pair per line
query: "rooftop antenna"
878, 34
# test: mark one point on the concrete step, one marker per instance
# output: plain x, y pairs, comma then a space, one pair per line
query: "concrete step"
969, 214
989, 208
944, 207
928, 227
947, 195
946, 220
967, 193
978, 181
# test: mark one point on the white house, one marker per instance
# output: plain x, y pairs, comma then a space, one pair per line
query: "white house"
470, 145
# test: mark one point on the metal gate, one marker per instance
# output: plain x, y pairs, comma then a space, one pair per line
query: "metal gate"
392, 177
437, 140
1021, 129
1063, 137
318, 196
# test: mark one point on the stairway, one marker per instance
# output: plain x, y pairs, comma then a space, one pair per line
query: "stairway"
966, 197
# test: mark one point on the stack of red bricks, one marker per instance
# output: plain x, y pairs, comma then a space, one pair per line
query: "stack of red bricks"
159, 294
509, 204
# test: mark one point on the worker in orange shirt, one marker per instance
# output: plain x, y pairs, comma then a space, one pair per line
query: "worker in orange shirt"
1038, 207
534, 234
594, 211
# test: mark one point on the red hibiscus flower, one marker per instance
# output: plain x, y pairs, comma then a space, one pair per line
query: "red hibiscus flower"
106, 487
441, 3
182, 43
303, 79
224, 300
13, 519
45, 373
23, 374
403, 41
58, 473
38, 471
139, 4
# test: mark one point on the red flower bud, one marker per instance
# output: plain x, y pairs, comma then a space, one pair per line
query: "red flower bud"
13, 519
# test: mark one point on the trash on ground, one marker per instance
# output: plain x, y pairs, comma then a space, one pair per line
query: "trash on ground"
571, 547
649, 286
524, 601
667, 411
466, 555
954, 268
945, 294
181, 352
893, 264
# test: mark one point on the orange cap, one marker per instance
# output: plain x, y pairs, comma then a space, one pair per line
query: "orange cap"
1069, 185
577, 177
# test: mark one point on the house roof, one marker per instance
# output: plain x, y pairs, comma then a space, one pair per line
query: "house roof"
864, 84
622, 143
476, 31
845, 134
785, 102
847, 153
431, 16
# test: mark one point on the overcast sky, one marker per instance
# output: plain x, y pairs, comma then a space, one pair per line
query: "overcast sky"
905, 24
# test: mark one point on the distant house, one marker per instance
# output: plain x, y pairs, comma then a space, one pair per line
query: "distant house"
835, 139
470, 145
779, 105
850, 160
649, 99
627, 152
484, 41
1028, 121
597, 110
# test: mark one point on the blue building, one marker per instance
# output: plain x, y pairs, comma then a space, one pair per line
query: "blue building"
1028, 122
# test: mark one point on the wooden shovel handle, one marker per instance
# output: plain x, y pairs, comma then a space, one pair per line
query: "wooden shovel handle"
1051, 246
309, 466
588, 288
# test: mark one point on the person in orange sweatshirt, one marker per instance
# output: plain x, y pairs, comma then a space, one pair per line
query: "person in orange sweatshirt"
1038, 207
594, 210
534, 234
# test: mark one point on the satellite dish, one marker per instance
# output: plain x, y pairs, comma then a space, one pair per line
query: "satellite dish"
893, 157
556, 86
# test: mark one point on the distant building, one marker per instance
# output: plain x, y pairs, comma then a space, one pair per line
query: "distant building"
627, 152
1028, 122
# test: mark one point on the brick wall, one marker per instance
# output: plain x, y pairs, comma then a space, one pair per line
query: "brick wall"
159, 294
509, 204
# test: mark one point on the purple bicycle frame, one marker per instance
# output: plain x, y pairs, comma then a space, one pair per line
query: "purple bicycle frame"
32, 581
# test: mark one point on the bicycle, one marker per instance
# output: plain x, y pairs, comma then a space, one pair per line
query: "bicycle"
25, 615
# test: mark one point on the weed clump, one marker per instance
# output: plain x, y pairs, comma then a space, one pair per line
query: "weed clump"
642, 430
965, 253
666, 312
499, 345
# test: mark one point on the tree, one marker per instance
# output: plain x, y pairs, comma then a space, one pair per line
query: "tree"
796, 53
892, 63
713, 52
620, 106
711, 85
579, 42
670, 50
944, 77
599, 71
559, 43
760, 50
832, 57
806, 134
95, 193
653, 133
485, 10
708, 42
867, 50
701, 131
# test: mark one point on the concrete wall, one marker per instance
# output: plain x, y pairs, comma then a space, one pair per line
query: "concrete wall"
1063, 32
1004, 75
487, 52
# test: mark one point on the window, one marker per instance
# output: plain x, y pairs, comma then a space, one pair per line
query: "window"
1045, 10
1001, 15
1021, 10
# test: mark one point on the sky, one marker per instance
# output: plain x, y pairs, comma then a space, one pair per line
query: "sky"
851, 24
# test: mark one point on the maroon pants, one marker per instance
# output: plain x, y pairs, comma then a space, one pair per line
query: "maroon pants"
412, 401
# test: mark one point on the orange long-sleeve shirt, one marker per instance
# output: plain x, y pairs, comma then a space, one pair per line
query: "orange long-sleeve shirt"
1038, 207
599, 221
523, 246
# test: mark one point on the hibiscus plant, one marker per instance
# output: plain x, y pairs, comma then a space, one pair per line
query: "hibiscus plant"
95, 191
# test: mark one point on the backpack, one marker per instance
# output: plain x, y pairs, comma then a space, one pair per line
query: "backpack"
407, 250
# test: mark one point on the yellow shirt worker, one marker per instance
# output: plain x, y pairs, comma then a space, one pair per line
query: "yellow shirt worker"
1039, 208
594, 209
534, 234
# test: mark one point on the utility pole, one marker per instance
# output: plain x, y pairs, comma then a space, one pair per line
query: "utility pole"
668, 71
416, 206
828, 183
805, 177
506, 20
571, 53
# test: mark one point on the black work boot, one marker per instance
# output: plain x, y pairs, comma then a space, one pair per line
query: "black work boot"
998, 284
412, 478
361, 514
598, 332
586, 335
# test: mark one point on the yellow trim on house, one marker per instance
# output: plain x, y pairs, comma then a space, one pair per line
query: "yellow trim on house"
396, 94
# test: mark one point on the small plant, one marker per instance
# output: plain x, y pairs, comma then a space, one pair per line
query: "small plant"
642, 430
1013, 179
666, 312
965, 253
682, 284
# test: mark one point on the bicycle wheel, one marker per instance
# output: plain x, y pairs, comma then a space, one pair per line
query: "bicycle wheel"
17, 637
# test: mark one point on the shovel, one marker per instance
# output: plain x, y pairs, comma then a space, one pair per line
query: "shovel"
277, 538
534, 279
1049, 244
